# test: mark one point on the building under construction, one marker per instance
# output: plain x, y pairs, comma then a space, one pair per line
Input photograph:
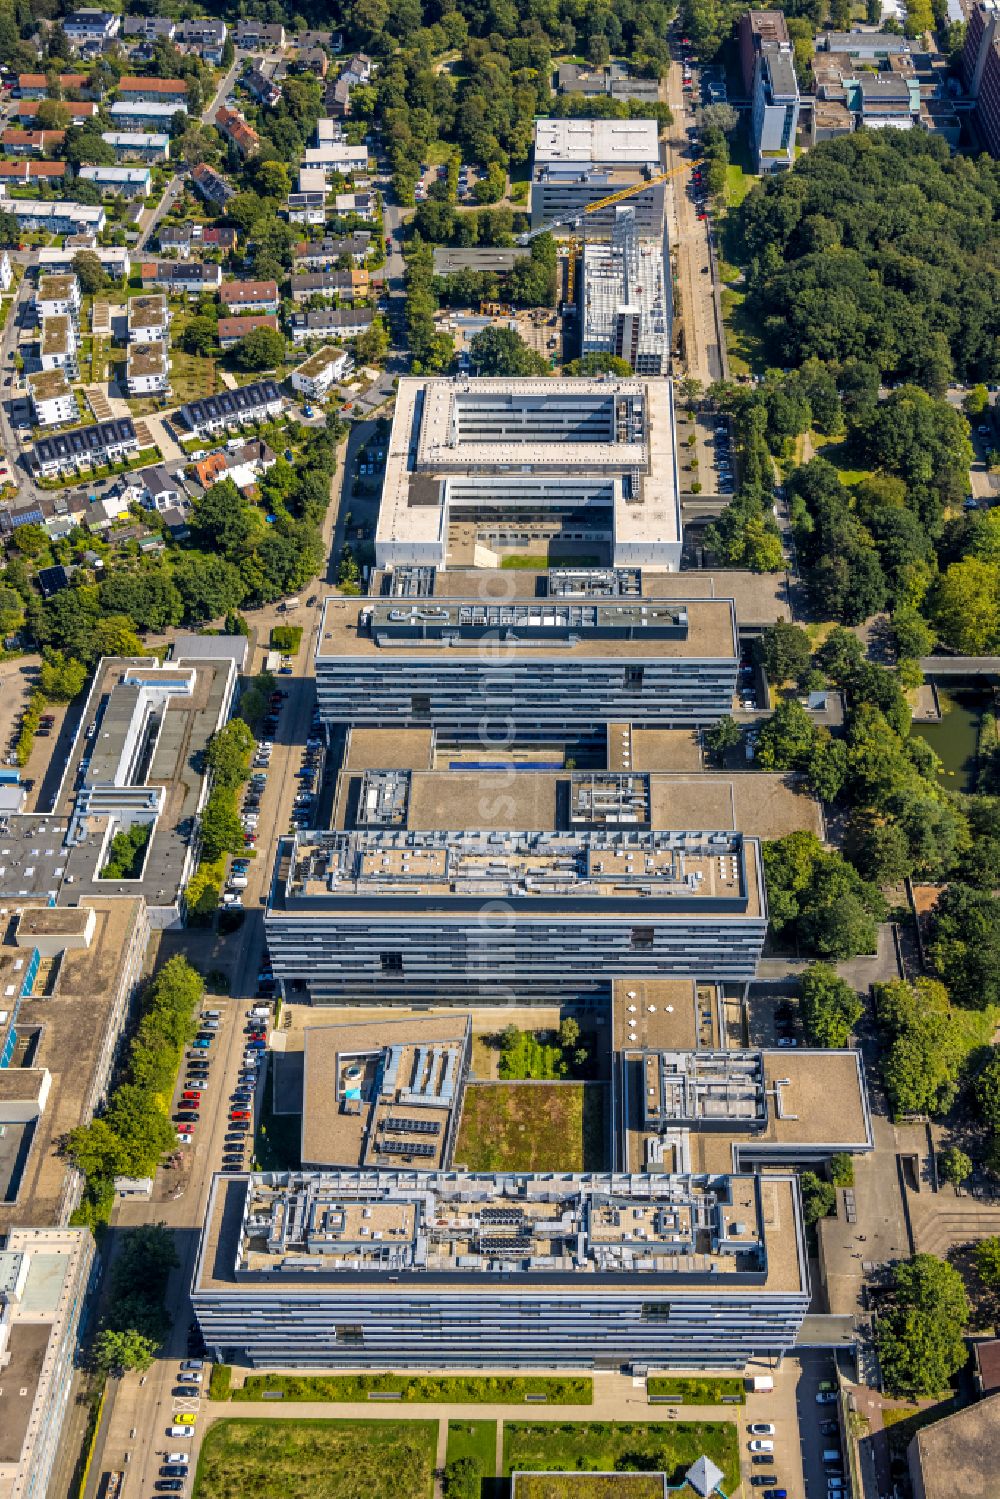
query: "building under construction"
623, 303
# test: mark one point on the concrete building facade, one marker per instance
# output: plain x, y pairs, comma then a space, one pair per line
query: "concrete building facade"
579, 161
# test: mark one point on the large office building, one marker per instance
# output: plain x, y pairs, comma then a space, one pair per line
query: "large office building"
488, 665
768, 64
981, 69
45, 1274
578, 162
477, 467
415, 1268
623, 298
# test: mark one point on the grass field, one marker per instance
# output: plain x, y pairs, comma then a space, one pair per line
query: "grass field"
317, 1460
475, 1439
837, 454
590, 1486
469, 1389
533, 1127
697, 1391
600, 1446
552, 558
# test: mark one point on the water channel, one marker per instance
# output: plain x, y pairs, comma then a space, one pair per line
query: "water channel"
953, 739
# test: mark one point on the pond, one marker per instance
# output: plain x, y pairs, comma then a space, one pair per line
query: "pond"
953, 740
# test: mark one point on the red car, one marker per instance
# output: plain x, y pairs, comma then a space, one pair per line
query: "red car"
239, 1113
702, 215
194, 1094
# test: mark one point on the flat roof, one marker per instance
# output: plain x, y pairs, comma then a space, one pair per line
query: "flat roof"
960, 1454
147, 311
603, 142
428, 1230
49, 385
56, 288
146, 359
361, 1105
73, 1010
491, 443
683, 629
319, 361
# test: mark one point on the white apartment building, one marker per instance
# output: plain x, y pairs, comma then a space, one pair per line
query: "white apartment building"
337, 156
148, 369
57, 346
578, 162
125, 182
138, 145
58, 296
52, 398
316, 376
148, 320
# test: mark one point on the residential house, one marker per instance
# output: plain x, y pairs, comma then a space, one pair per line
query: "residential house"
361, 205
249, 296
323, 254
182, 277
36, 85
212, 186
149, 28
91, 30
317, 375
220, 237
231, 124
132, 114
175, 239
148, 320
119, 182
306, 208
348, 286
311, 60
358, 69
58, 296
85, 447
261, 88
114, 259
57, 346
176, 523
204, 35
147, 371
233, 408
313, 180
254, 36
52, 400
154, 90
14, 173
31, 142
33, 215
243, 463
337, 156
233, 329
138, 145
27, 109
340, 322
328, 131
331, 41
159, 489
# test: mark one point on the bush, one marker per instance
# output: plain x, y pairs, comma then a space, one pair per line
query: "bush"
220, 1382
127, 852
286, 638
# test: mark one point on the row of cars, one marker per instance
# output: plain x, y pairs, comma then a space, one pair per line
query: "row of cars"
196, 1076
239, 1127
308, 775
761, 1445
723, 459
176, 1468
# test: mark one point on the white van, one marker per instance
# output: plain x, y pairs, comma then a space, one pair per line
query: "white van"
180, 1431
238, 882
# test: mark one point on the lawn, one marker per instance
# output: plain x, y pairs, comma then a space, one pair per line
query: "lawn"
837, 454
467, 1389
317, 1460
475, 1439
600, 1446
742, 340
738, 184
533, 1127
697, 1391
589, 1486
286, 638
551, 558
192, 376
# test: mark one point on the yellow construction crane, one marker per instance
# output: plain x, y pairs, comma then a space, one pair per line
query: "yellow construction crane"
608, 202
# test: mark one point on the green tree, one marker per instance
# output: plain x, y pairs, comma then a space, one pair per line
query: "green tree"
210, 587
964, 945
987, 1257
819, 1197
919, 1335
988, 1092
722, 736
785, 652
502, 351
965, 606
115, 636
221, 829
926, 1044
61, 678
830, 1007
976, 400
261, 349
786, 740
89, 272
462, 1479
954, 1165
118, 1352
229, 752
201, 336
